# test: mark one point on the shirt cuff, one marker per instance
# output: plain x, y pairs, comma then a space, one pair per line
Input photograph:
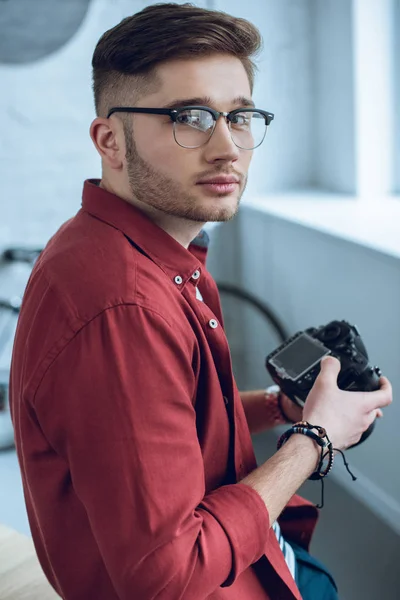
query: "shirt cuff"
244, 517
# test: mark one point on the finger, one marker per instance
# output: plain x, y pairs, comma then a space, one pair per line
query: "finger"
384, 383
376, 414
330, 367
371, 417
381, 397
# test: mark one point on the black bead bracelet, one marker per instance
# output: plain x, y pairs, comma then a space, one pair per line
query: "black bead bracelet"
327, 451
322, 439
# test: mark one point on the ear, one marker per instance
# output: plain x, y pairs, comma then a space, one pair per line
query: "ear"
108, 137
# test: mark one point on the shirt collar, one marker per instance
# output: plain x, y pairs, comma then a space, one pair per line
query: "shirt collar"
164, 250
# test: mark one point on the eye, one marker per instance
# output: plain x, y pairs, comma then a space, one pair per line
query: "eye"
241, 120
186, 118
198, 119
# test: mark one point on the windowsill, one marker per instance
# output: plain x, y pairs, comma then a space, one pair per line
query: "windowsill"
373, 223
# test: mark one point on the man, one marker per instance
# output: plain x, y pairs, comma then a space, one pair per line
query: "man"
134, 442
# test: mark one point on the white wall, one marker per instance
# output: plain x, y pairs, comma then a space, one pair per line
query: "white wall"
396, 68
284, 86
306, 78
333, 96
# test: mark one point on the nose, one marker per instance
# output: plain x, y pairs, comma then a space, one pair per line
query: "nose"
221, 146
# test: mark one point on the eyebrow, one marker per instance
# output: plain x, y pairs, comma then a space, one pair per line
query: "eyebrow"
207, 101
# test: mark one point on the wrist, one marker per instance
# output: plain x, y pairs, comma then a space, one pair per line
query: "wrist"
319, 435
307, 448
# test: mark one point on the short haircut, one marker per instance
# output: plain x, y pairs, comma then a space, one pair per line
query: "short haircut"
126, 55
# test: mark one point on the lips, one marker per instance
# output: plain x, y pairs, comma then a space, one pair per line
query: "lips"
220, 180
219, 187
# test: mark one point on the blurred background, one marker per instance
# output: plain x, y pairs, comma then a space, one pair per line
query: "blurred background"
317, 237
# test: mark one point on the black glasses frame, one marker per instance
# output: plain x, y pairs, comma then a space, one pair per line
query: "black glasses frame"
174, 113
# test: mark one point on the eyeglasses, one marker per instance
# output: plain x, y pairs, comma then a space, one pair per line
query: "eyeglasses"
194, 125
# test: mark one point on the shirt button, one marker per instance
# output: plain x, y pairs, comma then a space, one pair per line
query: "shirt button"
213, 323
178, 279
196, 274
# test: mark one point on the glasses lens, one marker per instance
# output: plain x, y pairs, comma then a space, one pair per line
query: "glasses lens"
248, 129
193, 127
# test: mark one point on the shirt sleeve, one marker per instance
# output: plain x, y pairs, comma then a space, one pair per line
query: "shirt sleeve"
262, 410
117, 403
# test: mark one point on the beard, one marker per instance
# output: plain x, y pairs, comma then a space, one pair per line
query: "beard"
168, 196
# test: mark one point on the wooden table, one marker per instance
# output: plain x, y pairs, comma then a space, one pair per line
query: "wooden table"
21, 576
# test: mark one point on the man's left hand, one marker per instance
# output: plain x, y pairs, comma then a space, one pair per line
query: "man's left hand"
290, 409
258, 411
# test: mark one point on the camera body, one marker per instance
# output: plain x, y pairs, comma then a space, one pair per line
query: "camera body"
295, 365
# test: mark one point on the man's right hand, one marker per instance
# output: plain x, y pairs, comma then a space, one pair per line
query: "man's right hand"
344, 415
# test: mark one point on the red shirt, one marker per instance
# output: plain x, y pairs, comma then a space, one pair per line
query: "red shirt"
125, 410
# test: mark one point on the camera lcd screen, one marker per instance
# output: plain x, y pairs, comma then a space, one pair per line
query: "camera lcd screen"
299, 356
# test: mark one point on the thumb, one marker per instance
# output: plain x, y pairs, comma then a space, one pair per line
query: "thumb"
330, 367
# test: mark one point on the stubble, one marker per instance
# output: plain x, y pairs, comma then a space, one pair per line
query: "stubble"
150, 186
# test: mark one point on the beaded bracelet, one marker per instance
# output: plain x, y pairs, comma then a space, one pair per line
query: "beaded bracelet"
327, 450
321, 438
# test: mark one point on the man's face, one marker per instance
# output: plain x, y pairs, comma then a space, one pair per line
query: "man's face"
166, 176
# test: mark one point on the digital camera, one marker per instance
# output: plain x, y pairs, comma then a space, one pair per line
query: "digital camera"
295, 365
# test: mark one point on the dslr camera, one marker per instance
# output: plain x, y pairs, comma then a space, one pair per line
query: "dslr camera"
295, 365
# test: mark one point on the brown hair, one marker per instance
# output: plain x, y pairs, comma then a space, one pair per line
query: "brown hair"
162, 32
